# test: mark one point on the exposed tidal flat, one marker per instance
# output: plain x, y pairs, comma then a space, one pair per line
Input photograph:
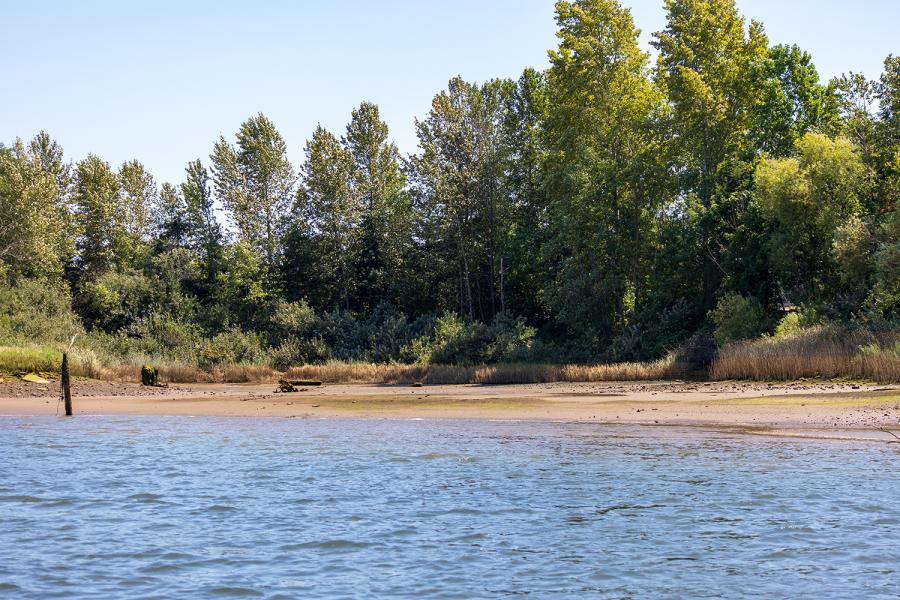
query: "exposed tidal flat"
135, 506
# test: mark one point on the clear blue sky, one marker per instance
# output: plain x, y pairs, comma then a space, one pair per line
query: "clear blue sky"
160, 80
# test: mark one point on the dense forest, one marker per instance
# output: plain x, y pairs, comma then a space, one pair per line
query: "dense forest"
607, 209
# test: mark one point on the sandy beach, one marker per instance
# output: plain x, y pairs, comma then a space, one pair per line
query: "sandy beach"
799, 406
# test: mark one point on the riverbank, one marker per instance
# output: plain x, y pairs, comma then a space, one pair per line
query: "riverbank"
800, 405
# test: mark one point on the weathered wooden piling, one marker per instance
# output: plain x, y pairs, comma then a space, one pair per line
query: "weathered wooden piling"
66, 387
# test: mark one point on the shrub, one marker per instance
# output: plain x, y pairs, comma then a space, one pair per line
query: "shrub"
166, 335
293, 352
457, 342
230, 347
511, 340
696, 353
790, 324
37, 312
292, 319
416, 352
117, 300
737, 318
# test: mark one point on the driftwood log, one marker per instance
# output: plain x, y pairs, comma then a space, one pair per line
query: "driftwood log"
287, 386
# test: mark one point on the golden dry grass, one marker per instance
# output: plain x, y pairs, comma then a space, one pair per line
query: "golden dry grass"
394, 374
486, 375
813, 353
175, 373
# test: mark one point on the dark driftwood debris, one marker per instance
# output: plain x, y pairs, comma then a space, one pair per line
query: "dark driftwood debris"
287, 386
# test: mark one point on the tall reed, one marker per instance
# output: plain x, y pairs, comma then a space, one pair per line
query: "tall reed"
818, 352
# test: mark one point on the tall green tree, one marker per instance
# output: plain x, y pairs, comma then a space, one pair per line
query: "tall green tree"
254, 180
792, 102
808, 198
378, 182
524, 163
708, 64
604, 158
888, 164
170, 217
36, 237
204, 235
138, 197
109, 232
460, 205
330, 212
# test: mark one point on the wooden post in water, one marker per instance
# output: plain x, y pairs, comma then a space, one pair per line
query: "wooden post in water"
67, 392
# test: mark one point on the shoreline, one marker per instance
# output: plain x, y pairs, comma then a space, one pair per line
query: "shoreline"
801, 407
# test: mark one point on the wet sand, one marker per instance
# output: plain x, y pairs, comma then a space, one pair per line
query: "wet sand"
759, 407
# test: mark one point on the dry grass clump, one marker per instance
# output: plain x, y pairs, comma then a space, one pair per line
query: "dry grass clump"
245, 374
817, 352
661, 369
341, 372
879, 364
517, 373
485, 374
387, 374
176, 373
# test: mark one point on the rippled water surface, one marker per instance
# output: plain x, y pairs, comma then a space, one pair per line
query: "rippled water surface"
134, 507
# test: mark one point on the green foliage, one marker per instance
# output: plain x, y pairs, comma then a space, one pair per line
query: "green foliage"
737, 318
29, 359
36, 237
230, 347
109, 228
37, 311
457, 342
292, 352
116, 301
793, 101
708, 64
255, 182
884, 299
601, 210
605, 174
790, 324
461, 212
807, 199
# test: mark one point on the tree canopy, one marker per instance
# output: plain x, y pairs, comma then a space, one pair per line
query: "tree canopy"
606, 208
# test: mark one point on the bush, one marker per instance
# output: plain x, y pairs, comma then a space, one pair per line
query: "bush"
457, 342
417, 351
37, 312
294, 352
790, 324
697, 352
230, 347
737, 318
117, 300
163, 334
292, 319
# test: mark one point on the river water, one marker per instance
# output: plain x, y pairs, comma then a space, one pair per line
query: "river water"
175, 507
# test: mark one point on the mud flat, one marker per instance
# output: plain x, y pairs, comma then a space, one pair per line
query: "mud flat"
757, 406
